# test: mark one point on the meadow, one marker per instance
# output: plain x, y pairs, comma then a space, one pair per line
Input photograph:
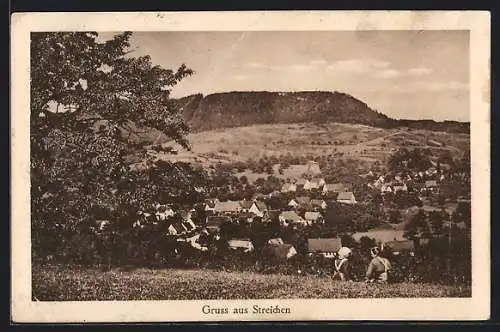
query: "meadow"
350, 140
64, 283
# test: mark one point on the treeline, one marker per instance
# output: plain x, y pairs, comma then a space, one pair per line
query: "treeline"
442, 260
234, 109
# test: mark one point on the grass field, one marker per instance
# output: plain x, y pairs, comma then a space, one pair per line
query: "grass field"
60, 283
351, 140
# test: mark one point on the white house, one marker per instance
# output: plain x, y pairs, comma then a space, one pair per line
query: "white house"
288, 217
258, 208
210, 204
318, 204
228, 207
241, 244
289, 187
324, 246
303, 183
402, 187
313, 217
333, 188
346, 197
276, 240
163, 212
386, 188
176, 229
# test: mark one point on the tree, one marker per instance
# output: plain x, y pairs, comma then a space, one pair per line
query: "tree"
395, 216
462, 213
405, 159
418, 227
437, 218
84, 96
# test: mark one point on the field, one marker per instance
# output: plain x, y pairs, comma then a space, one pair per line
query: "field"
60, 283
348, 140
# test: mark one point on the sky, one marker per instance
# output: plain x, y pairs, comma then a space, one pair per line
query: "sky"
403, 74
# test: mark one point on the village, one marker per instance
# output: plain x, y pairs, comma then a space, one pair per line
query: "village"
304, 206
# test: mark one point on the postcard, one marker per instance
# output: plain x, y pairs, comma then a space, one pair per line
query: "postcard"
250, 166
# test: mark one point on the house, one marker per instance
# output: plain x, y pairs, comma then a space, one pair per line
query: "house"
315, 183
198, 241
303, 184
399, 247
386, 188
289, 187
280, 252
274, 194
277, 240
101, 225
187, 221
346, 197
293, 203
288, 217
176, 228
189, 225
318, 182
324, 246
381, 234
313, 167
228, 207
313, 217
431, 184
303, 201
258, 208
333, 188
215, 222
210, 204
163, 212
245, 217
143, 218
244, 245
318, 204
402, 187
246, 205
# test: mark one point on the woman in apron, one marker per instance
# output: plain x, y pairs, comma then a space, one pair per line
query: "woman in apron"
378, 268
342, 264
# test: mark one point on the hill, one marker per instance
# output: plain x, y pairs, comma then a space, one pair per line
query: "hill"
236, 109
351, 141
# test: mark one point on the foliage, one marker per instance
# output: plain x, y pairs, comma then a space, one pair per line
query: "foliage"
404, 159
418, 227
249, 108
84, 93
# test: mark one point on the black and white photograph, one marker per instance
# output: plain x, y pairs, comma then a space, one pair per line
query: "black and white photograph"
213, 165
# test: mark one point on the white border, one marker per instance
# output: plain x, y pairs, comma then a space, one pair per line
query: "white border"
475, 308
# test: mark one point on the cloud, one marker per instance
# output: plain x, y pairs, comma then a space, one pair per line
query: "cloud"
419, 71
254, 65
301, 68
292, 67
358, 65
241, 77
440, 86
431, 86
318, 62
388, 73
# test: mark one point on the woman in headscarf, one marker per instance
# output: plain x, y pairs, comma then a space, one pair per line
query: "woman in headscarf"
378, 268
342, 264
